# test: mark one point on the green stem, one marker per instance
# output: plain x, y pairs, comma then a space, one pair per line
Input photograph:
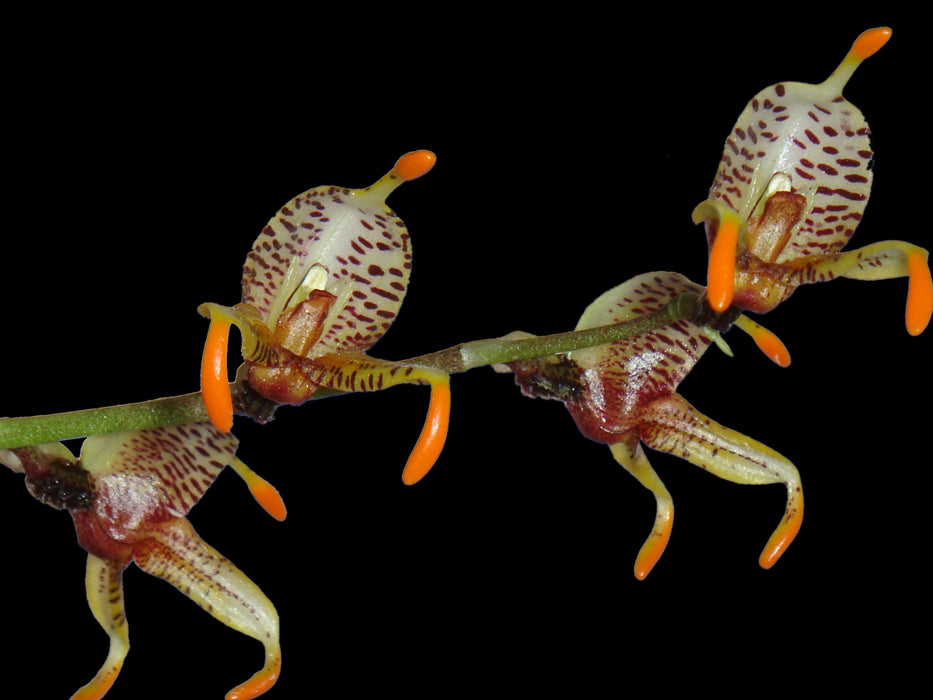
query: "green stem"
34, 430
478, 353
189, 408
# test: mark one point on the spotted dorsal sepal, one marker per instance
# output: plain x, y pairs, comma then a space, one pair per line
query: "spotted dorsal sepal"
373, 269
351, 235
807, 148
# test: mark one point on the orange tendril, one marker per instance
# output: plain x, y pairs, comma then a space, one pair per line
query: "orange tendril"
266, 494
772, 346
269, 498
215, 388
721, 274
766, 341
414, 165
919, 293
433, 435
869, 42
654, 546
98, 688
261, 682
784, 534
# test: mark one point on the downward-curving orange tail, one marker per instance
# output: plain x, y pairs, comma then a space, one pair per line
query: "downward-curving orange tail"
433, 435
215, 388
919, 293
721, 274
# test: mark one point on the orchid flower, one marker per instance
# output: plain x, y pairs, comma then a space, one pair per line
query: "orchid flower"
128, 495
323, 282
791, 188
624, 394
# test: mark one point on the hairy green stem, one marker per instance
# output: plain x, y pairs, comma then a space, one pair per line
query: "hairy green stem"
189, 408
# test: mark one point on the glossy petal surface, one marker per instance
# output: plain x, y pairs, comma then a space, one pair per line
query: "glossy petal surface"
345, 242
162, 471
808, 141
623, 376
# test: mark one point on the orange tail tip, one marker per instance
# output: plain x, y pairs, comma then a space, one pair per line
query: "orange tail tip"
433, 435
721, 275
919, 293
97, 688
414, 165
269, 498
257, 685
869, 42
766, 341
215, 388
772, 346
652, 550
865, 45
782, 537
265, 493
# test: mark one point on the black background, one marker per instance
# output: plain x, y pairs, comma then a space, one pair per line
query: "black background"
147, 152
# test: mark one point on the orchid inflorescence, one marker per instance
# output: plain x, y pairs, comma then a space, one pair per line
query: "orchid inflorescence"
326, 278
